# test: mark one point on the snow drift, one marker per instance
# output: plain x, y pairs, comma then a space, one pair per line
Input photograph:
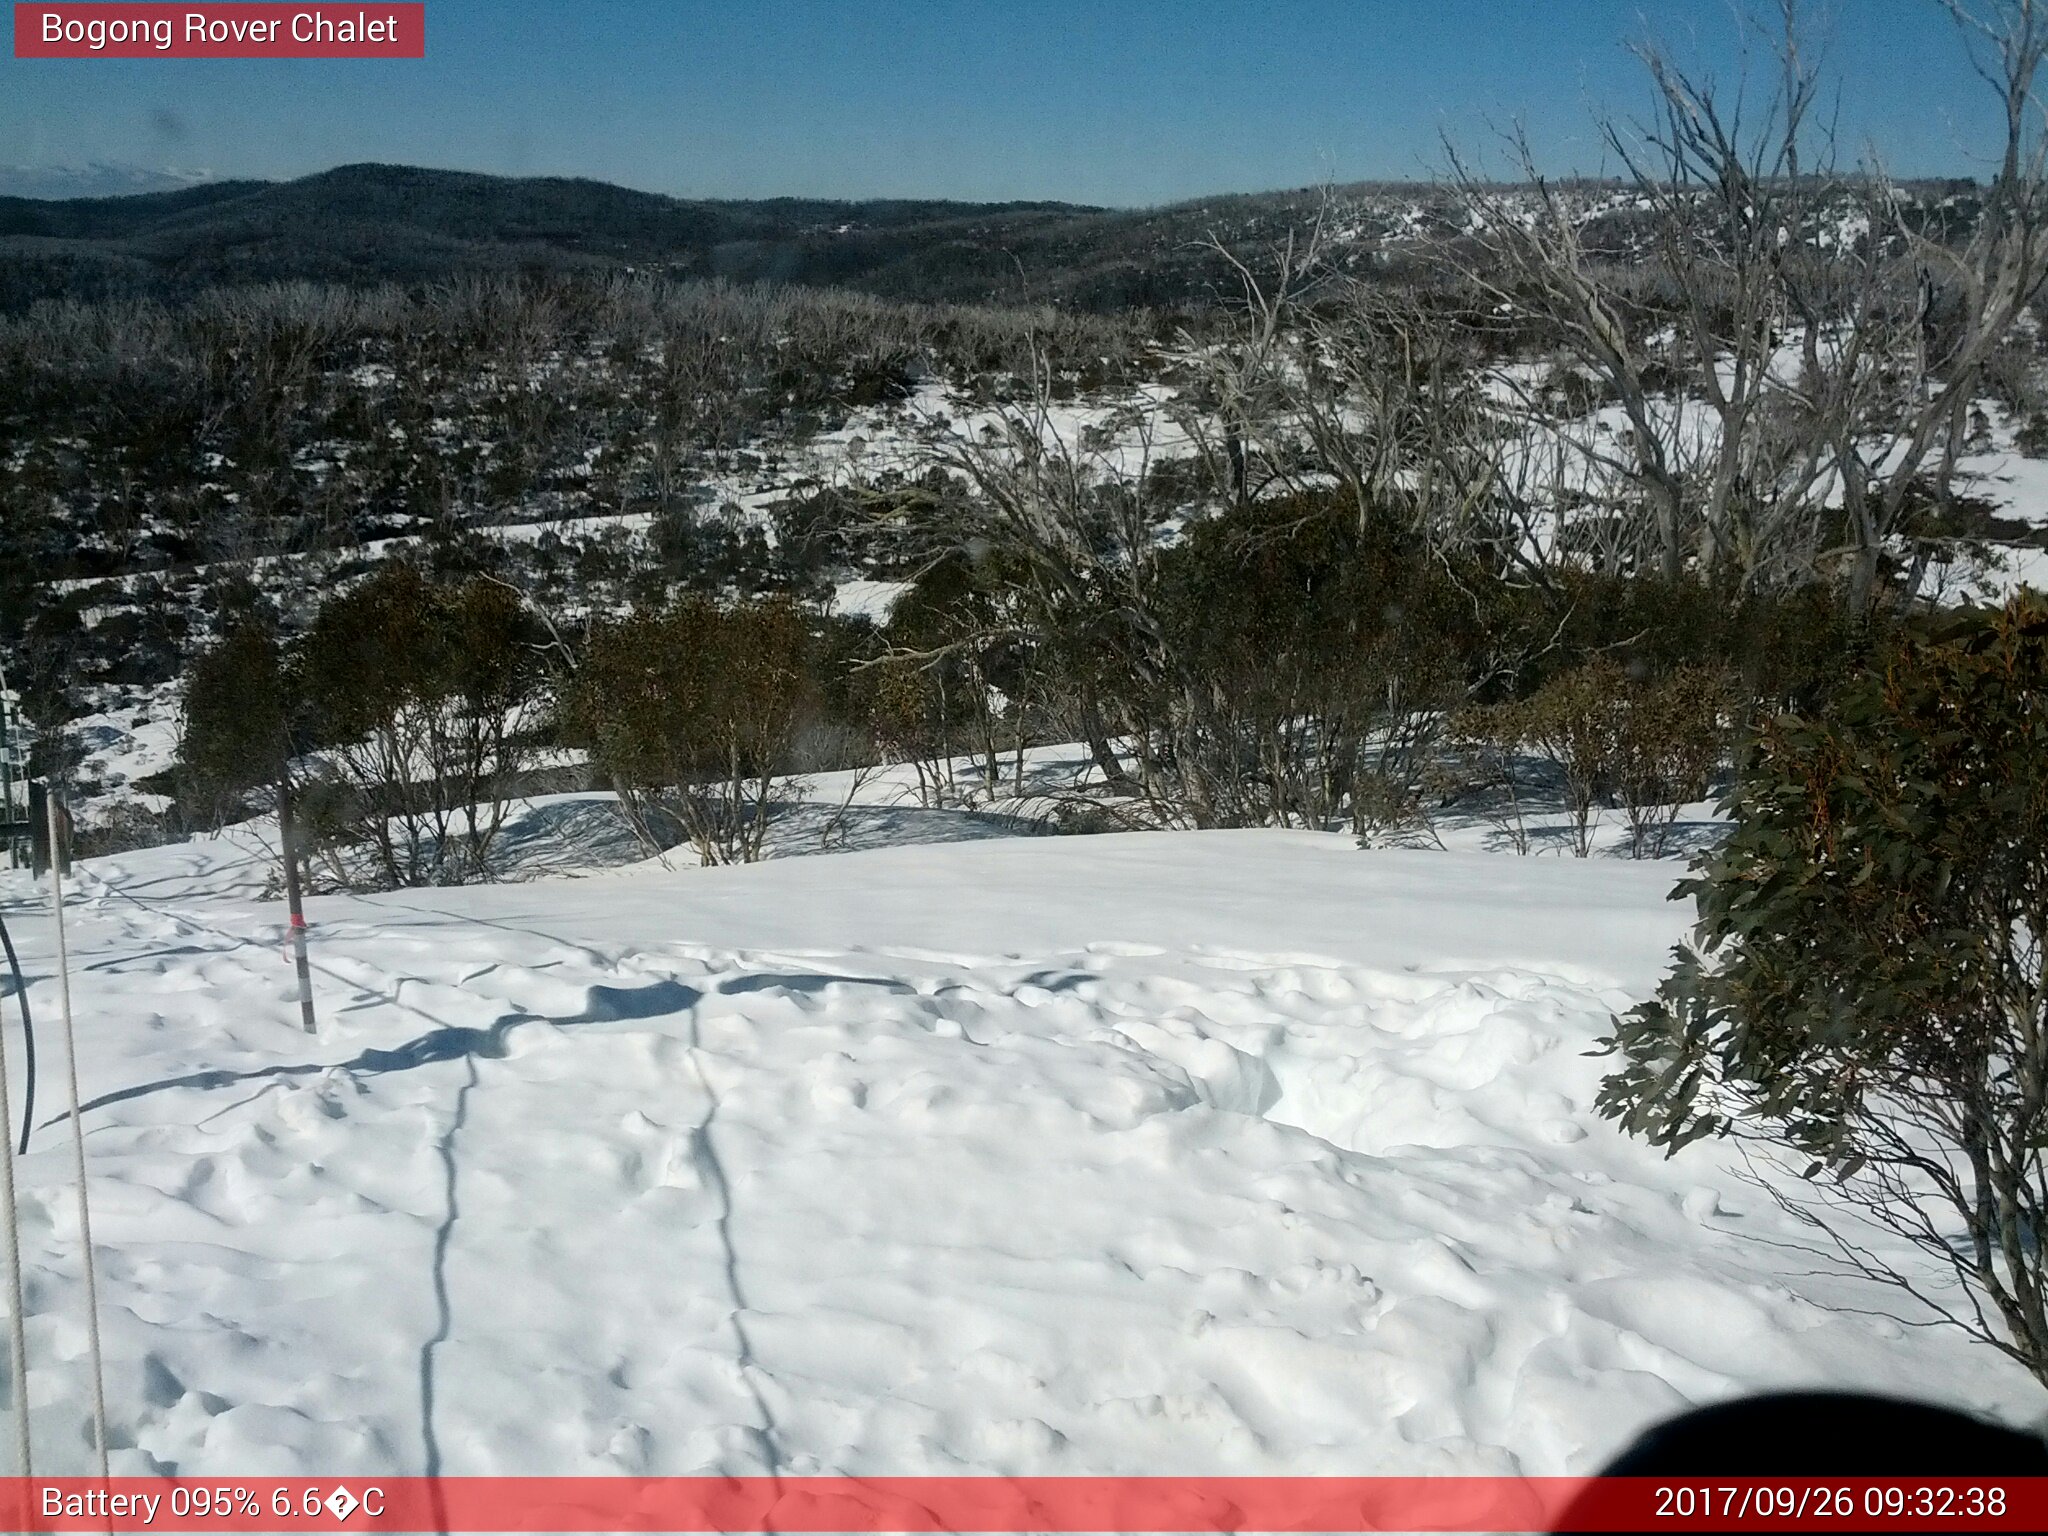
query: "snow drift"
1148, 1154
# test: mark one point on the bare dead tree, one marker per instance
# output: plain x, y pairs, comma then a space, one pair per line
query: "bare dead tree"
1243, 379
1777, 384
1970, 294
1069, 515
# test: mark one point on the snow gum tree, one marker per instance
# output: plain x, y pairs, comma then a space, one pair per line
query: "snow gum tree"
237, 721
1868, 992
427, 695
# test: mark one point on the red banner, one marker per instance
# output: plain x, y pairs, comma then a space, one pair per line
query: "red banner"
220, 31
1006, 1505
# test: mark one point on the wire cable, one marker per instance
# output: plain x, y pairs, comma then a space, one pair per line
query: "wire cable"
28, 1039
17, 1322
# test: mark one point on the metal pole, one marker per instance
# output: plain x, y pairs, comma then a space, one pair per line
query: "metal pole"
288, 840
92, 1287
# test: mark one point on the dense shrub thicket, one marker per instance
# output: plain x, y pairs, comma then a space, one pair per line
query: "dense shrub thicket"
402, 721
1286, 666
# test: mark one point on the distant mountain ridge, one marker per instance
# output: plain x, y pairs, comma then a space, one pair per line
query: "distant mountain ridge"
365, 223
97, 178
360, 224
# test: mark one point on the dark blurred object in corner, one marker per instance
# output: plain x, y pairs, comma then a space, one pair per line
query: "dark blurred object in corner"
1826, 1434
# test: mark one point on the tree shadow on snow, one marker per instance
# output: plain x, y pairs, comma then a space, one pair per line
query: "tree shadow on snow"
449, 1042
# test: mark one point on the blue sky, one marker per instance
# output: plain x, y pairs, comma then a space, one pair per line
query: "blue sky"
1108, 101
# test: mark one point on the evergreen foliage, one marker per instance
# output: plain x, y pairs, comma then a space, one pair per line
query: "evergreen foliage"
1869, 985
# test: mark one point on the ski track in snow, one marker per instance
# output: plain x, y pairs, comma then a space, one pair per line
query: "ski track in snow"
548, 1194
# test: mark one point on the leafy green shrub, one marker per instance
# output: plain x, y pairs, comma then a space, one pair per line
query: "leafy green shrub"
1671, 736
236, 735
1782, 650
426, 697
1301, 669
2032, 437
1575, 722
1609, 734
1869, 986
697, 712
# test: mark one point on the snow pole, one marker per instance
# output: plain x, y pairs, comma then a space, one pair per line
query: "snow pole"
92, 1288
288, 841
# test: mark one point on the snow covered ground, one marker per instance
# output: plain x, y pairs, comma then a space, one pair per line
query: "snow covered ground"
1157, 1153
130, 736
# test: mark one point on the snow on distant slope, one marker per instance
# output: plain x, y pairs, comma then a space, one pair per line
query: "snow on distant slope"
1157, 1153
131, 736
